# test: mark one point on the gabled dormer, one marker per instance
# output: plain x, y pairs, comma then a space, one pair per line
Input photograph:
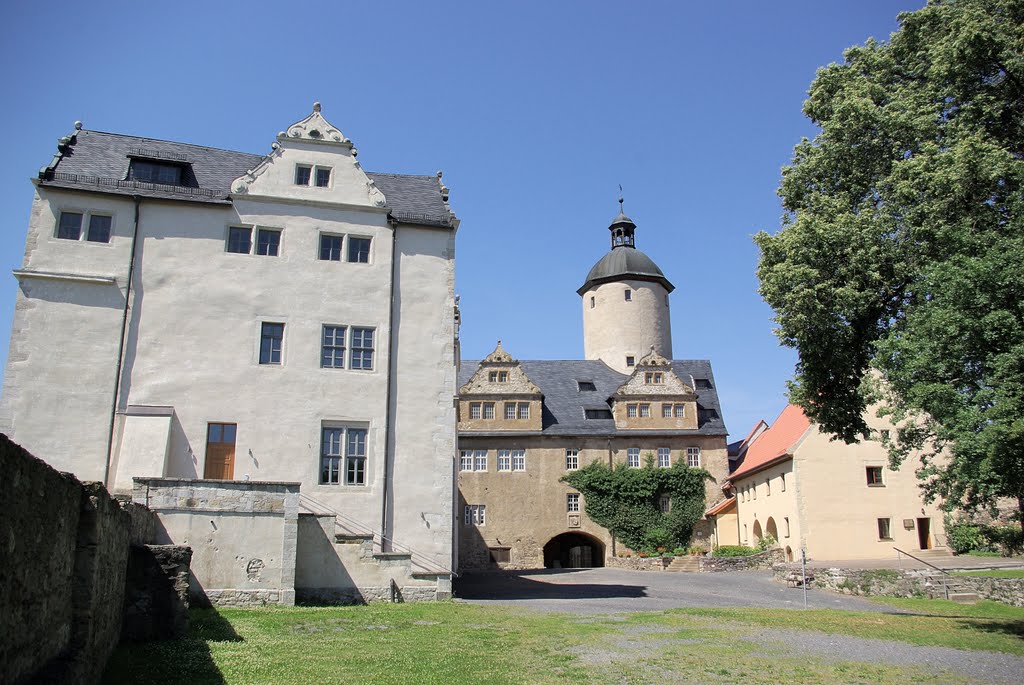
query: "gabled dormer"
500, 397
654, 397
312, 161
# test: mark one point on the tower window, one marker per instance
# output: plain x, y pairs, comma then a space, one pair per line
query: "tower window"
630, 360
592, 303
629, 296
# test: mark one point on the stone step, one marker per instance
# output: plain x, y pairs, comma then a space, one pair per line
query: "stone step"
684, 565
933, 553
964, 597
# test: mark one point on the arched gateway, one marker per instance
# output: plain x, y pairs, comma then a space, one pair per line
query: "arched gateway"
573, 550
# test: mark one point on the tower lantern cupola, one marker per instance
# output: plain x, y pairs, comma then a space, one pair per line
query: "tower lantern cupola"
622, 229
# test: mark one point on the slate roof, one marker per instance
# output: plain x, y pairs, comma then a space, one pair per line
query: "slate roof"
624, 262
98, 162
564, 404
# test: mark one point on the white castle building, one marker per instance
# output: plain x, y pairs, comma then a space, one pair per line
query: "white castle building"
190, 313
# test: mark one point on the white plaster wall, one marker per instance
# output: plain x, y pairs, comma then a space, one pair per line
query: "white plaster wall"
423, 394
61, 367
142, 450
614, 328
755, 504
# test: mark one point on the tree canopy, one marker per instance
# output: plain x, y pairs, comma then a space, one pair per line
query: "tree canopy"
897, 274
626, 501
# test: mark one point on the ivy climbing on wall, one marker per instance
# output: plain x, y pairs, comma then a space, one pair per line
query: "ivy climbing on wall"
628, 501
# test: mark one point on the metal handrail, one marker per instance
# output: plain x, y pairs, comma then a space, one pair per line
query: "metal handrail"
945, 574
421, 558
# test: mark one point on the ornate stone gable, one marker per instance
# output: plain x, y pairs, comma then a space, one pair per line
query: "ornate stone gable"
653, 377
500, 374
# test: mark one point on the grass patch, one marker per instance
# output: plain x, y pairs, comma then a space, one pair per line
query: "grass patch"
454, 643
993, 573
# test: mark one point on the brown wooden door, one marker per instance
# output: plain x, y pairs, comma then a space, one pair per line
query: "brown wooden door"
220, 451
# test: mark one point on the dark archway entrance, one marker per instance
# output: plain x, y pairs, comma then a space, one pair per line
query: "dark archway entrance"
573, 550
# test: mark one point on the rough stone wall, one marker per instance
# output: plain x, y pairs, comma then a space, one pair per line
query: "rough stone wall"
156, 596
764, 559
639, 563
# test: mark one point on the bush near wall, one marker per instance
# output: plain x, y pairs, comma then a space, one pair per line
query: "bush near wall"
965, 537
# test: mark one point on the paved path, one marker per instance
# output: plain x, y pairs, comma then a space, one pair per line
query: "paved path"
607, 590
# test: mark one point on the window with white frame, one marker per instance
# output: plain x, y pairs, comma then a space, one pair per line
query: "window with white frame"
475, 410
572, 502
318, 176
303, 174
239, 240
322, 177
510, 411
268, 242
631, 411
330, 247
332, 347
504, 460
475, 515
633, 457
523, 409
666, 411
69, 226
358, 250
885, 529
488, 410
479, 460
665, 503
645, 411
361, 356
680, 410
664, 457
497, 377
518, 460
654, 378
342, 451
693, 457
572, 460
465, 460
271, 343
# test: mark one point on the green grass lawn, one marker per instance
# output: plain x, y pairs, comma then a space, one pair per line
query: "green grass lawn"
992, 573
454, 643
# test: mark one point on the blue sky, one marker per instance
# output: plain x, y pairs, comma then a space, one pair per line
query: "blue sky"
536, 112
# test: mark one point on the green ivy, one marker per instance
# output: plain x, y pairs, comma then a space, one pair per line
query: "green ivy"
626, 501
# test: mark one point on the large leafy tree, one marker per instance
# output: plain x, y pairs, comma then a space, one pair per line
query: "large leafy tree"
899, 270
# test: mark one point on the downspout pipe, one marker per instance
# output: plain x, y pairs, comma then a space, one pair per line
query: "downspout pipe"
120, 349
385, 532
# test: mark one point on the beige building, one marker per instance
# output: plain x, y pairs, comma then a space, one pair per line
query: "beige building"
837, 501
523, 424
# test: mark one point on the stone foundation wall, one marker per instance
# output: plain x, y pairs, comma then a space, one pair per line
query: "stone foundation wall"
156, 596
765, 559
639, 563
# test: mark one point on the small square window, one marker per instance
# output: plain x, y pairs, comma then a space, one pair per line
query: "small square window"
271, 340
239, 240
70, 226
303, 174
630, 360
362, 349
572, 502
572, 460
332, 349
330, 247
884, 529
268, 242
99, 229
633, 457
323, 177
874, 476
359, 250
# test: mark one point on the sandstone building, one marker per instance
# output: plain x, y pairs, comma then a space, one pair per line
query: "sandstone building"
524, 423
837, 501
202, 315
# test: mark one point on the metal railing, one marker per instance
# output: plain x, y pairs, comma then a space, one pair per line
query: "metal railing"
317, 507
945, 574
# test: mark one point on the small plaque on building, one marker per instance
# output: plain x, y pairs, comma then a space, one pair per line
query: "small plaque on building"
574, 520
908, 524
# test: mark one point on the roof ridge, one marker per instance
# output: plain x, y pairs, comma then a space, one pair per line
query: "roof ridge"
391, 173
173, 142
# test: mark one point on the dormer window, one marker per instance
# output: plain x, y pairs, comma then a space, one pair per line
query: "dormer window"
702, 384
307, 174
654, 378
152, 171
586, 386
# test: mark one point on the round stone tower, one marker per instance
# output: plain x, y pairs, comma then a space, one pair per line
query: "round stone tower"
625, 303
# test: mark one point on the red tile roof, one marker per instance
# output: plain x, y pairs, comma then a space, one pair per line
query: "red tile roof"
722, 506
775, 443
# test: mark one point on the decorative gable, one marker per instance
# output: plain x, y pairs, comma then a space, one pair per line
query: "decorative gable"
654, 397
500, 397
312, 162
653, 375
499, 374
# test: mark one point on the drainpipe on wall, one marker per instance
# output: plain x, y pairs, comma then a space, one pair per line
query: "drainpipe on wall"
611, 465
120, 350
385, 538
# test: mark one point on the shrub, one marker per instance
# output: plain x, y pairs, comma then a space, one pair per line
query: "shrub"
1009, 538
734, 551
766, 543
964, 537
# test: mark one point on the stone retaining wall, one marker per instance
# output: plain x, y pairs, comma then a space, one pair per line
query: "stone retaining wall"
639, 563
765, 559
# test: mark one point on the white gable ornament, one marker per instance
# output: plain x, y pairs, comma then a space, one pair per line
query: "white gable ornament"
315, 128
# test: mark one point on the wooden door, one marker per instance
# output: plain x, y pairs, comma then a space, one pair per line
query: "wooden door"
220, 451
924, 533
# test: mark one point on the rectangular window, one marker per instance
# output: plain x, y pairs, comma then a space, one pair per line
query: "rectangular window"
665, 503
504, 460
680, 410
605, 414
465, 460
302, 174
629, 296
785, 526
666, 411
645, 411
874, 476
480, 460
475, 514
518, 460
524, 410
767, 487
633, 457
631, 411
510, 410
702, 384
362, 349
155, 172
654, 378
323, 177
884, 529
592, 302
572, 460
359, 250
586, 386
492, 377
99, 228
503, 376
271, 340
664, 457
475, 410
268, 242
343, 448
239, 240
500, 555
572, 502
332, 348
783, 483
693, 457
488, 410
70, 226
630, 360
330, 247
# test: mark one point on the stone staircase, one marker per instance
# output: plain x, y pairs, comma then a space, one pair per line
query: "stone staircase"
684, 565
934, 553
958, 591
